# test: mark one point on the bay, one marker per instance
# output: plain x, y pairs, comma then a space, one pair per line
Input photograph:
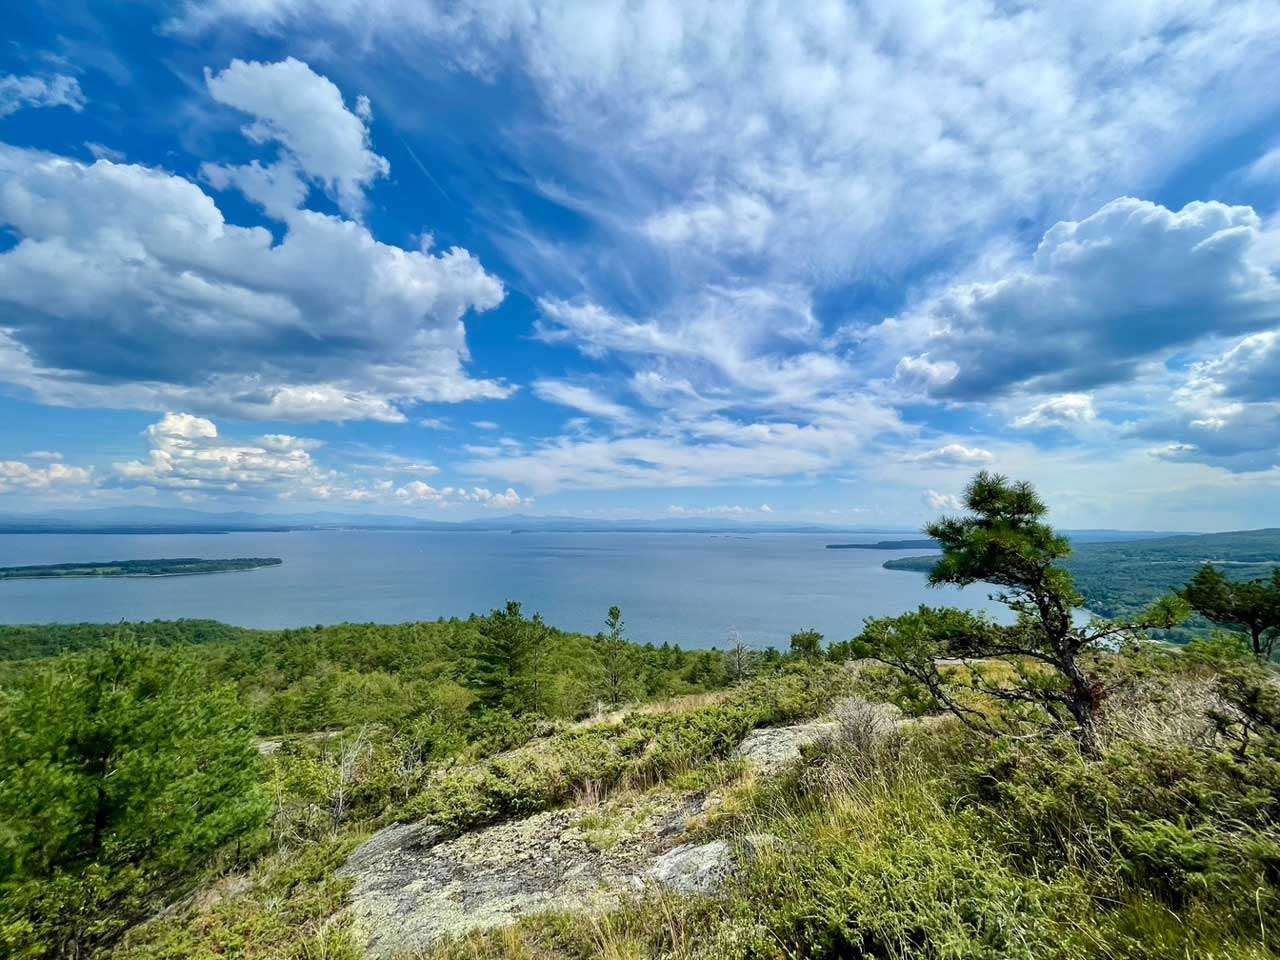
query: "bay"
690, 589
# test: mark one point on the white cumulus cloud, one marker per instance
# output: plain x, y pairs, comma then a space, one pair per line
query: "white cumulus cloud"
1067, 410
1129, 283
186, 452
15, 475
942, 501
954, 454
304, 113
418, 491
128, 288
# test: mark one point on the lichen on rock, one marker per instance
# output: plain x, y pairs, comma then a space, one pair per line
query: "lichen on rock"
413, 890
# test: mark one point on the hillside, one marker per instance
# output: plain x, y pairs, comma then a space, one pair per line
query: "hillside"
404, 803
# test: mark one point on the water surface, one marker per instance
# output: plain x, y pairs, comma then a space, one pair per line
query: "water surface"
686, 588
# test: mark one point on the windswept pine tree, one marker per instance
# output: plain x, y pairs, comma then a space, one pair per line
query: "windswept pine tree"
1003, 539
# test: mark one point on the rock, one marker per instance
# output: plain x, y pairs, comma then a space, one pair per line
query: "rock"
416, 886
413, 889
694, 869
396, 842
770, 749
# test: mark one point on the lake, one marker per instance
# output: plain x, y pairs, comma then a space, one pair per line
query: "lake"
687, 588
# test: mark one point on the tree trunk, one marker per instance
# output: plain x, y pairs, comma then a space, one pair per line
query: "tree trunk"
1087, 736
1085, 701
1255, 634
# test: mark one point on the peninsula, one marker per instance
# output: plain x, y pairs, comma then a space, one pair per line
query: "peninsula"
887, 545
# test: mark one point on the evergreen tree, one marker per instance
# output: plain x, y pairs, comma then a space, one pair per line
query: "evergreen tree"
504, 673
1004, 540
620, 681
1252, 605
121, 772
806, 644
769, 660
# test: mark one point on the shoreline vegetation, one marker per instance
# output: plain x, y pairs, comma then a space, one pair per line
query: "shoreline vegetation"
174, 567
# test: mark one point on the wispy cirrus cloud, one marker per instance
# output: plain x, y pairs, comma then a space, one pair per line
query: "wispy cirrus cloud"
755, 133
763, 243
58, 90
581, 398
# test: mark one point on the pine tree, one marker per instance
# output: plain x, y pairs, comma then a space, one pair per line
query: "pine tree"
504, 672
617, 661
1252, 605
807, 644
1004, 540
127, 771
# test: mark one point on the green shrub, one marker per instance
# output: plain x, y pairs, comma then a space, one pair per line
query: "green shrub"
643, 749
290, 911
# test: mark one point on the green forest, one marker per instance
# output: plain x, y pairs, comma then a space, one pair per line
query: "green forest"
1041, 788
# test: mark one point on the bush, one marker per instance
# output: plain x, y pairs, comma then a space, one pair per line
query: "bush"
643, 749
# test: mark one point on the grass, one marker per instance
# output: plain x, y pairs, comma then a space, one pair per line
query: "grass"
891, 846
291, 909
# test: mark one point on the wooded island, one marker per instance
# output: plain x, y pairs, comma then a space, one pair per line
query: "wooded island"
181, 566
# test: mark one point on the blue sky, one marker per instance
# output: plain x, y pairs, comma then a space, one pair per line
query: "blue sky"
742, 259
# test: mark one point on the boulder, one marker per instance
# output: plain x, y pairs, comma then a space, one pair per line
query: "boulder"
694, 869
770, 749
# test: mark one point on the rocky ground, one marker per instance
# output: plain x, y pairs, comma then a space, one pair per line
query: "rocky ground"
415, 887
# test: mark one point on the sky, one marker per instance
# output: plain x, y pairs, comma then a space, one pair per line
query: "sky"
759, 260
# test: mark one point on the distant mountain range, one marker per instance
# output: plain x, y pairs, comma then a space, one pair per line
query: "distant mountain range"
182, 520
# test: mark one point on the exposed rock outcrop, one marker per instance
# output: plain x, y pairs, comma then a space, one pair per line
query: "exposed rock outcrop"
413, 890
771, 749
414, 886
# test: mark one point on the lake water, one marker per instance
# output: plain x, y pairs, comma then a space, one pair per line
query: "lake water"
686, 588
